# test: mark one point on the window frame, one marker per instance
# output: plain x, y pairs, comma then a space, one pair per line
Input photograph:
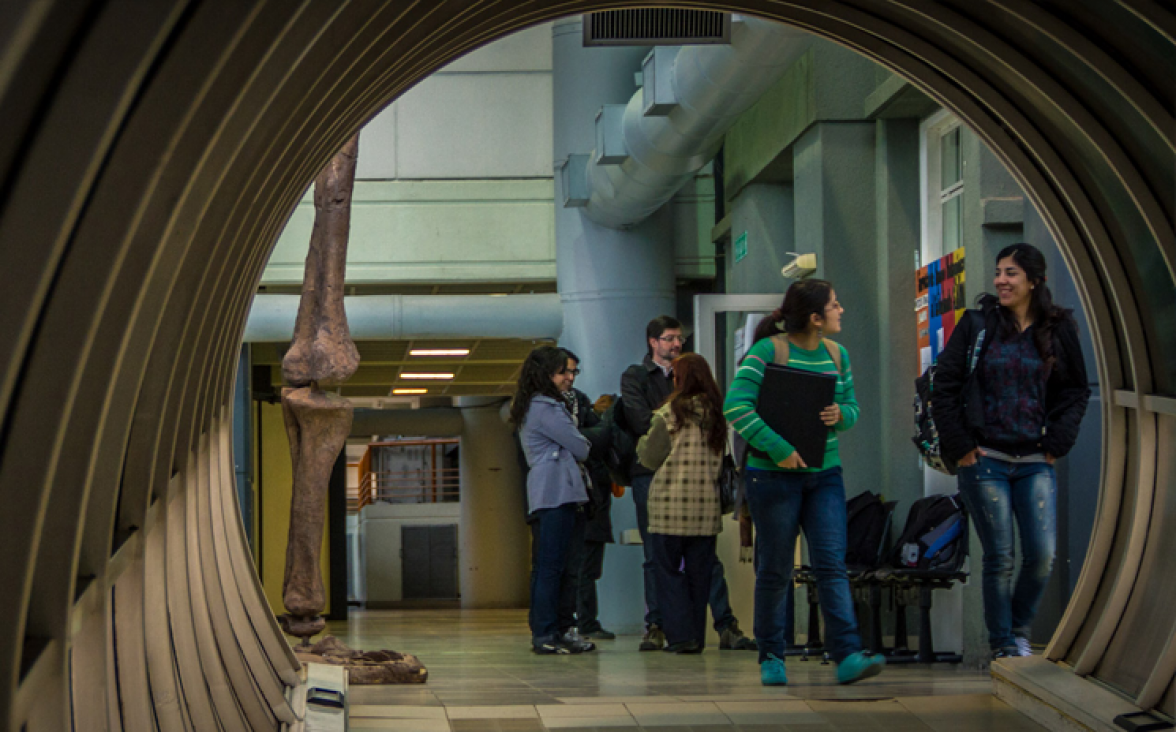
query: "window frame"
932, 195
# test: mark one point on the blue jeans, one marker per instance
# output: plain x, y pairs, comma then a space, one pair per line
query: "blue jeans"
557, 530
787, 609
781, 505
995, 493
720, 602
719, 599
640, 490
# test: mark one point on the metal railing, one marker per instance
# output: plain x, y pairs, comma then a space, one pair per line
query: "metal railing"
434, 484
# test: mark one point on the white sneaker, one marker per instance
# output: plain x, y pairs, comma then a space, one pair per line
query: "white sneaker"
1023, 647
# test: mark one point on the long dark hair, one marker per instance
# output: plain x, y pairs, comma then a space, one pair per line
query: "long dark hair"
1044, 315
803, 298
693, 378
535, 379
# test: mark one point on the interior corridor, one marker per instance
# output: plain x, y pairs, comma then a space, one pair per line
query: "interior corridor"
482, 677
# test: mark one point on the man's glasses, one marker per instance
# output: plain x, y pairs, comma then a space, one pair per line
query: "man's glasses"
573, 372
672, 339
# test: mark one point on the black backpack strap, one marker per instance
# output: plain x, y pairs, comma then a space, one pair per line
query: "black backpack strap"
869, 498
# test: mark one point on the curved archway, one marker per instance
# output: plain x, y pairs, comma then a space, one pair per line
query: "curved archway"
151, 154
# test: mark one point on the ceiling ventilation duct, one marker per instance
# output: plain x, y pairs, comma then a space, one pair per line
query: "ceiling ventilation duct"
650, 147
656, 26
394, 317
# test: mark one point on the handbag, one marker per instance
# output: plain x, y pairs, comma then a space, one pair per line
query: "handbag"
727, 484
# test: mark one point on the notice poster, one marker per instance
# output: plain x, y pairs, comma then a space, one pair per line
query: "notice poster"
939, 304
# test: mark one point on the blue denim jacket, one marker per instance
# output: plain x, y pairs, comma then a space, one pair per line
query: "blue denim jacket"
554, 449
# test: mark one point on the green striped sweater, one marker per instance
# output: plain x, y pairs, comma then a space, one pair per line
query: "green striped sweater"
743, 396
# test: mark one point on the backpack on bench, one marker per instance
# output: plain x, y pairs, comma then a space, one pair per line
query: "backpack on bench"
935, 538
867, 517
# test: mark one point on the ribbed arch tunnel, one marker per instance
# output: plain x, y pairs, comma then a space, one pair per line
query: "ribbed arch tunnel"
150, 153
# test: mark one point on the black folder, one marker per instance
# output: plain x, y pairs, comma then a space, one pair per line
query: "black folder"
790, 402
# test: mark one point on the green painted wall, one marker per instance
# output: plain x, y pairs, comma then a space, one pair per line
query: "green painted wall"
896, 182
770, 126
826, 83
693, 215
834, 188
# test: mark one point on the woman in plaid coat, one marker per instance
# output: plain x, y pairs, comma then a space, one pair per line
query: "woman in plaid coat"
685, 446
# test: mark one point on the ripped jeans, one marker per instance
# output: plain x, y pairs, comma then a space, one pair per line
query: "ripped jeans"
995, 492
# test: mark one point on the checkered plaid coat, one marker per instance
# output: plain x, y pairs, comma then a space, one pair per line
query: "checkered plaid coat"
682, 497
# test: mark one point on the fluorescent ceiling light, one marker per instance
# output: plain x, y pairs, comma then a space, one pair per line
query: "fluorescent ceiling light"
410, 391
439, 352
435, 375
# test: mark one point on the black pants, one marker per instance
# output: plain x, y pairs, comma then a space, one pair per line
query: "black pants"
591, 569
569, 580
682, 595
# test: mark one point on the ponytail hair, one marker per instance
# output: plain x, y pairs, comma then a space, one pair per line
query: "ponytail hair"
1042, 312
803, 298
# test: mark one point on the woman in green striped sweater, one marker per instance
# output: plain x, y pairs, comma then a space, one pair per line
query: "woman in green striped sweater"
786, 495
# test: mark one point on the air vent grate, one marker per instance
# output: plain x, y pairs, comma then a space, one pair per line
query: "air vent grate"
656, 27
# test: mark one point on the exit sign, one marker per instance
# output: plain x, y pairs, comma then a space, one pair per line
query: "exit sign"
741, 246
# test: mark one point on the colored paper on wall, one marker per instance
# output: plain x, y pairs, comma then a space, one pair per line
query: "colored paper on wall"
940, 302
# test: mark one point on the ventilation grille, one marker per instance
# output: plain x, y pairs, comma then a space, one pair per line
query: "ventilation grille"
656, 27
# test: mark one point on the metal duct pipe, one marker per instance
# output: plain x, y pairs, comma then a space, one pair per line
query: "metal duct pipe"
611, 281
711, 86
390, 317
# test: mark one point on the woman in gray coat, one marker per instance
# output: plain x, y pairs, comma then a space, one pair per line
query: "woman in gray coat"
556, 492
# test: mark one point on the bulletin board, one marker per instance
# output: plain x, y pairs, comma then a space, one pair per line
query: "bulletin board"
939, 304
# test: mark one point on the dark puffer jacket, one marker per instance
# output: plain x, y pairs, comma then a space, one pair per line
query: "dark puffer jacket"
644, 388
599, 435
955, 392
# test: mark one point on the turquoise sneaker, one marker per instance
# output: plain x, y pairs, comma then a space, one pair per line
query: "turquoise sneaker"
772, 672
859, 666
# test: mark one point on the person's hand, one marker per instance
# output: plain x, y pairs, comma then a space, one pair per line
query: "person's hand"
793, 461
603, 402
1050, 459
970, 459
831, 415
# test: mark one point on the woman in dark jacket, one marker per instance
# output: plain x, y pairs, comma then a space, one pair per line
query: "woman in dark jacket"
1009, 391
587, 563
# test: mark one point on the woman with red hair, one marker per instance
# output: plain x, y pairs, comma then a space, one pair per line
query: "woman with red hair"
685, 446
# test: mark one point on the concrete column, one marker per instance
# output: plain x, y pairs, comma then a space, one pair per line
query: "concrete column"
494, 541
897, 183
611, 282
835, 217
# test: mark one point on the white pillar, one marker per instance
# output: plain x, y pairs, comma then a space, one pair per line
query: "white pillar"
495, 540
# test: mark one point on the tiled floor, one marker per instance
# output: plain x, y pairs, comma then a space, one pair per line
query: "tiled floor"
482, 678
